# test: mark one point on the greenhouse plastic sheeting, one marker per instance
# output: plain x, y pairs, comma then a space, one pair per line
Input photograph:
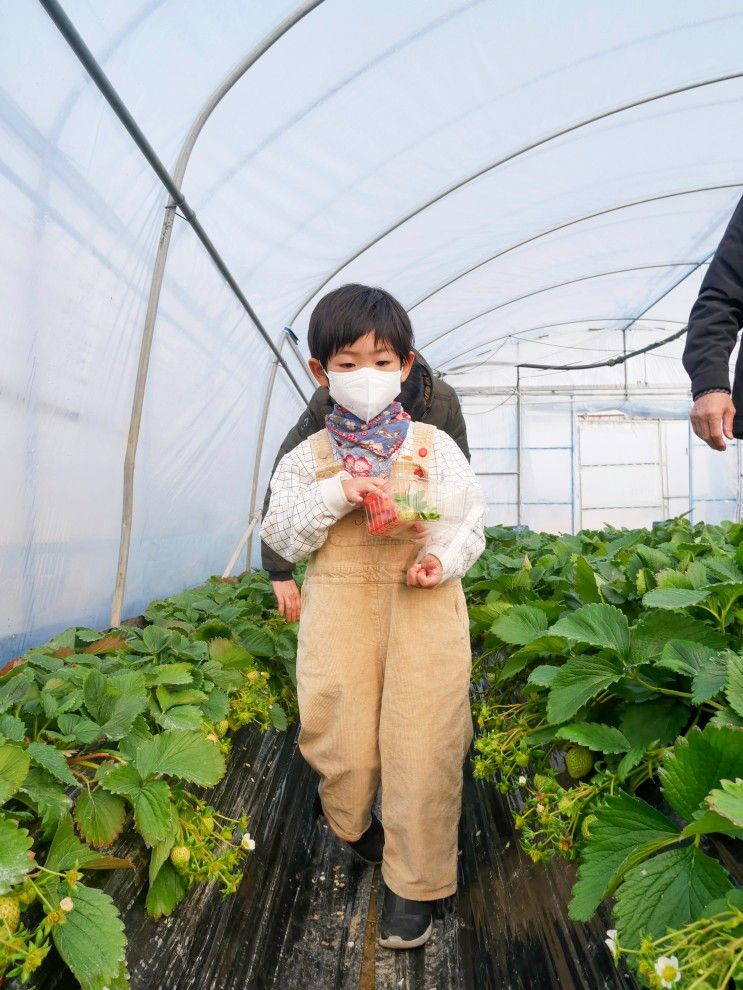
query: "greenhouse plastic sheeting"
537, 183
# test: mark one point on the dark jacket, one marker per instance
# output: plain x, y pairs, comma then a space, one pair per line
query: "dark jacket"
428, 399
715, 320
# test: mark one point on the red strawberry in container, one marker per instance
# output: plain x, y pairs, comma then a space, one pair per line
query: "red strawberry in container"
381, 514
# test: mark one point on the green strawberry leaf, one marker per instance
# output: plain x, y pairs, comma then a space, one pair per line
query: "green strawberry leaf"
659, 719
172, 673
697, 763
543, 675
585, 582
255, 639
653, 629
599, 625
596, 736
83, 730
166, 893
186, 718
14, 764
727, 800
625, 828
48, 797
216, 706
92, 939
668, 891
674, 598
15, 843
709, 681
161, 850
12, 727
734, 682
52, 759
520, 625
66, 849
231, 655
152, 811
100, 816
579, 680
278, 717
685, 657
187, 755
121, 779
631, 759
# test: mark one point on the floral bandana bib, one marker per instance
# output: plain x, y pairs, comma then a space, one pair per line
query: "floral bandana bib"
367, 448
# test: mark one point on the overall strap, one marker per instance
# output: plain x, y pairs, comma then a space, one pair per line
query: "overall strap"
325, 463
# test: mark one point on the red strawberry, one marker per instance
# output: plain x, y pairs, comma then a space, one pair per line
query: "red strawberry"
381, 514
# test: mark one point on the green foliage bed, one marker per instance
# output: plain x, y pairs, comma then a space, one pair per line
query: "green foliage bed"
614, 654
622, 650
100, 731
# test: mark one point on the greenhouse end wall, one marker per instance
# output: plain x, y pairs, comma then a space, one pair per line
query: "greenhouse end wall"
582, 462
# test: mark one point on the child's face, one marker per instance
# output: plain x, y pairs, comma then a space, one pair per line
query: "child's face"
366, 352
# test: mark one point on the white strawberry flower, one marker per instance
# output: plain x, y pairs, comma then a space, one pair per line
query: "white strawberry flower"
67, 904
611, 941
522, 779
247, 842
667, 968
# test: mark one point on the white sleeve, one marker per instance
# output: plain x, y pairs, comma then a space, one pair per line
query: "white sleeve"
460, 544
301, 509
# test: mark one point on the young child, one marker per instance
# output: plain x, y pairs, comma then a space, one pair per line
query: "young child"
384, 661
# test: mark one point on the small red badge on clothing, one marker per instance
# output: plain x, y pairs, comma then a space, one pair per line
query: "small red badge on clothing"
423, 452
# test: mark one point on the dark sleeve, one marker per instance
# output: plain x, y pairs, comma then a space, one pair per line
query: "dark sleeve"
717, 314
455, 425
278, 568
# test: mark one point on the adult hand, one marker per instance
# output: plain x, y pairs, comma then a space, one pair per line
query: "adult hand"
427, 573
355, 489
711, 417
287, 599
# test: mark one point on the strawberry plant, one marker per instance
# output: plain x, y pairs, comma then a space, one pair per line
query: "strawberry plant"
103, 731
616, 655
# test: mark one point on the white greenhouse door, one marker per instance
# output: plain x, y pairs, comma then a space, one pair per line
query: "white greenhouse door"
621, 477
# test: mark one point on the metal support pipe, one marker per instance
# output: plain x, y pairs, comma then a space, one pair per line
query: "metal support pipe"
238, 549
518, 449
176, 201
259, 449
690, 445
573, 467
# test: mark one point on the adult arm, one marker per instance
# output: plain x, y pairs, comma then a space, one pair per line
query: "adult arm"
455, 425
714, 323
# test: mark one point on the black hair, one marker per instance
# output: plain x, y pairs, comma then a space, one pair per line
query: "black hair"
344, 315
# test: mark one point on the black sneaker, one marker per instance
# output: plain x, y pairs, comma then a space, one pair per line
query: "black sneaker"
405, 924
370, 845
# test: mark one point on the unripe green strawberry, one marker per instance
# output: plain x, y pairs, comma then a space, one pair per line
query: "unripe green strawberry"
543, 783
222, 727
207, 825
10, 913
578, 761
179, 856
522, 759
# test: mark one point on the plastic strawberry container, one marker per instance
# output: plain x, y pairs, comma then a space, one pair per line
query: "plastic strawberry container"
412, 508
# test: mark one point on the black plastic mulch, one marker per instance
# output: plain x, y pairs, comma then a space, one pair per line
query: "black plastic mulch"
305, 915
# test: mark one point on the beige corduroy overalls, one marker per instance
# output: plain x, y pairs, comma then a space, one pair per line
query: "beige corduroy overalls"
383, 674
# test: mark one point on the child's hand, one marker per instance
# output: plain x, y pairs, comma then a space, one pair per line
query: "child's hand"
356, 488
427, 573
288, 601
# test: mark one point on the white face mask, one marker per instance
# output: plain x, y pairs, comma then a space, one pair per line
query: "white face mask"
366, 391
